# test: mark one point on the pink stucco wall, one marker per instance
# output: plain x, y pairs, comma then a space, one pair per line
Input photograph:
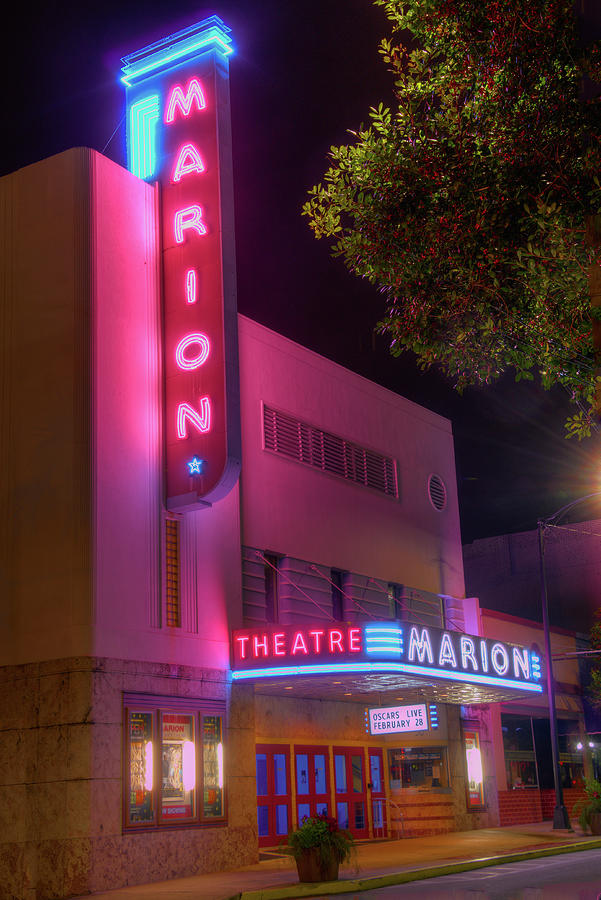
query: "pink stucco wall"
290, 508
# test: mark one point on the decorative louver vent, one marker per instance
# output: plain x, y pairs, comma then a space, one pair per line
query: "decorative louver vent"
306, 444
437, 492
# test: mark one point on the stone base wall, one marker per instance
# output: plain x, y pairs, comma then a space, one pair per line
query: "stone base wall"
61, 796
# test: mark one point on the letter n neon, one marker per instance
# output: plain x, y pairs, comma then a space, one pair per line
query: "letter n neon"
200, 420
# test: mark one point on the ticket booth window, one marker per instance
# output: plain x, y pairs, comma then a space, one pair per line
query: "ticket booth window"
418, 768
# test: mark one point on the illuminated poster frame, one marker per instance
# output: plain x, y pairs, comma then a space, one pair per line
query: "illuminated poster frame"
474, 769
179, 135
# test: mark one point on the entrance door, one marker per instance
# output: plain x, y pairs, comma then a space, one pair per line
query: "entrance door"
378, 794
273, 793
312, 782
351, 800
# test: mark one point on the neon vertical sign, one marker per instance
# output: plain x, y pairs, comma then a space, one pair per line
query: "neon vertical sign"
179, 135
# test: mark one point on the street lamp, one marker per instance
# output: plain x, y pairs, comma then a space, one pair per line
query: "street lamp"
560, 813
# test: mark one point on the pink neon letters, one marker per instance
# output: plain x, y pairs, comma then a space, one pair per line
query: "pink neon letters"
188, 160
190, 217
179, 100
196, 361
201, 420
191, 285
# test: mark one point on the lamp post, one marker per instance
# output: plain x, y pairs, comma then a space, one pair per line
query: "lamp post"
561, 820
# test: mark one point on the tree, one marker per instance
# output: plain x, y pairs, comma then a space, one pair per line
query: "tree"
472, 205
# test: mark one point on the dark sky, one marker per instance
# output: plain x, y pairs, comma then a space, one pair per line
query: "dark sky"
302, 75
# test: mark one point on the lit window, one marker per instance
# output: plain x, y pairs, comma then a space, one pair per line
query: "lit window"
172, 574
174, 763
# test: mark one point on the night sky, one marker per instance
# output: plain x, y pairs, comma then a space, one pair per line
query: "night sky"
301, 76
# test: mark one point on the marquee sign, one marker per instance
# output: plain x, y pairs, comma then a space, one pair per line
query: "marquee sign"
313, 649
395, 719
178, 134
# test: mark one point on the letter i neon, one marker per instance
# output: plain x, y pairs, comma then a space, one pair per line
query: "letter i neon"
191, 285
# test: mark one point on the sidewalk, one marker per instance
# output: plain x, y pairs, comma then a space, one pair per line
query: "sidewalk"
378, 864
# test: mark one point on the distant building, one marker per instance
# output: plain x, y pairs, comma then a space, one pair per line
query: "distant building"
504, 571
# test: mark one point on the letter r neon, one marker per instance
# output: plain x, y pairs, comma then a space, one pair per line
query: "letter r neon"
190, 217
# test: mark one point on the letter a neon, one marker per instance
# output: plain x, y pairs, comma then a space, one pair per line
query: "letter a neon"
201, 420
179, 100
188, 160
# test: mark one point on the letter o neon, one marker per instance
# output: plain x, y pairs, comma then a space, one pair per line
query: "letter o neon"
196, 361
496, 651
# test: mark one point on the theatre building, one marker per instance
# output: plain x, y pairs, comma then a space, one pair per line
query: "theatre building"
233, 575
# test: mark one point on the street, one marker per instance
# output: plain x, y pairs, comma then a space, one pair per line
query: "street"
571, 876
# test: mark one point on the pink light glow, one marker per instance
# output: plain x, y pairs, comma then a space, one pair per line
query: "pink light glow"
190, 217
188, 765
177, 99
201, 420
188, 160
196, 361
148, 766
191, 285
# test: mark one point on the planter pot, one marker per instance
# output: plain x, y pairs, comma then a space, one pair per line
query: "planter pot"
311, 868
595, 823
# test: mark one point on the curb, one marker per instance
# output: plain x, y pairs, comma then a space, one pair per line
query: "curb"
287, 892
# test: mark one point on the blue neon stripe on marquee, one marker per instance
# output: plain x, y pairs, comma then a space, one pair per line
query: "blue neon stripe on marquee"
349, 668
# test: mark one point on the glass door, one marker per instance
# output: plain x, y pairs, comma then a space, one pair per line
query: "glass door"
378, 794
312, 781
351, 799
273, 793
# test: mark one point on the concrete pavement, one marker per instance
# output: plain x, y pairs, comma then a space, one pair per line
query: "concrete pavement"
377, 864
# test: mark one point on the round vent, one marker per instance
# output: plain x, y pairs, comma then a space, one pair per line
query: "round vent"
437, 492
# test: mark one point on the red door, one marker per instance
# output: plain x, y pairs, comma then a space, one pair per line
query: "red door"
311, 766
378, 793
351, 798
273, 793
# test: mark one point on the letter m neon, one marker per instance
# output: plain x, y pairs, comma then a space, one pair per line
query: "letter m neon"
420, 646
183, 101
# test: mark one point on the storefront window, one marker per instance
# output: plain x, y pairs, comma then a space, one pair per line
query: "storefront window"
424, 768
518, 746
171, 775
571, 747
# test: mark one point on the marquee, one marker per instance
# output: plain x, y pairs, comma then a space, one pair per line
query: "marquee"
390, 646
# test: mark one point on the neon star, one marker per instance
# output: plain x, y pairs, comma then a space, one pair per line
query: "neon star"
195, 465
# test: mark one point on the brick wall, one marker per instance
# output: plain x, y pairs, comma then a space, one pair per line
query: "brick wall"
528, 805
570, 796
520, 807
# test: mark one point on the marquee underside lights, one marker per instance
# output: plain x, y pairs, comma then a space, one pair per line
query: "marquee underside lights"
179, 134
386, 647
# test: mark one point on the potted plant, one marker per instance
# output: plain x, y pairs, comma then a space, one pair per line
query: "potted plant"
588, 809
319, 846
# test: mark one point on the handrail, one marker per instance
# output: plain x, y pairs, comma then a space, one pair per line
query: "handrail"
399, 819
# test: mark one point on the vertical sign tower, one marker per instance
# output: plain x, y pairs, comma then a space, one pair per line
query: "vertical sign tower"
178, 134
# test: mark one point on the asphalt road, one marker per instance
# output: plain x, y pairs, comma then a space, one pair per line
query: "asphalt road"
570, 876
